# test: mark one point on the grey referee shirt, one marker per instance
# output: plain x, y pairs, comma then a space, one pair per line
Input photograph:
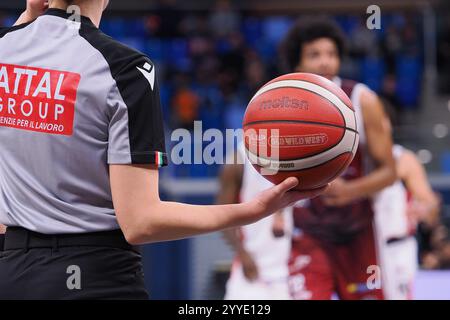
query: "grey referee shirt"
72, 101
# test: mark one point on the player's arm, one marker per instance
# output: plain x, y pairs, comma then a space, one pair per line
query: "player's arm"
230, 185
144, 218
278, 224
411, 171
2, 229
379, 142
34, 9
136, 145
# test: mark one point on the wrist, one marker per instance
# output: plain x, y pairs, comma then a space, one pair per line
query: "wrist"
244, 213
353, 190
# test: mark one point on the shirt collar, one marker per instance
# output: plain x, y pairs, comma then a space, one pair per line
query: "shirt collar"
67, 15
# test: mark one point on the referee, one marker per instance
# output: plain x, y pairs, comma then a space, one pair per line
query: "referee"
81, 140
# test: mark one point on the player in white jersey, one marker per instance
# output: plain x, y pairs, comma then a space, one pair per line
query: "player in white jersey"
260, 268
398, 208
398, 247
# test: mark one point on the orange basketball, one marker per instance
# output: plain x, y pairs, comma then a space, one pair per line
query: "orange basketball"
300, 125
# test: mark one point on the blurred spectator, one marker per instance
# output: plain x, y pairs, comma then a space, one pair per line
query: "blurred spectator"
166, 19
443, 54
364, 41
185, 106
224, 20
201, 46
391, 46
255, 76
207, 89
389, 98
232, 65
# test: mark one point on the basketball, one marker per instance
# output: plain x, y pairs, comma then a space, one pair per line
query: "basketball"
300, 125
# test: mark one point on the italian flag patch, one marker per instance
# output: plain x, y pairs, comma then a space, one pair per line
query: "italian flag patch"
159, 158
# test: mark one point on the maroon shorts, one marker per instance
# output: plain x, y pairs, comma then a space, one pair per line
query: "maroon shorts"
318, 269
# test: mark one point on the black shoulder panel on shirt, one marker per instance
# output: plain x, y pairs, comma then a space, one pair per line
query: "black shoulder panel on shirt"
118, 55
131, 70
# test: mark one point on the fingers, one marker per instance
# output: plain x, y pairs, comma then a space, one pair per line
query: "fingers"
314, 193
300, 195
286, 185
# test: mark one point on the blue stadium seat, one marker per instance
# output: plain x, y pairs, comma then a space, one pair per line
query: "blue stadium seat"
137, 27
266, 49
445, 162
275, 28
211, 108
178, 53
134, 42
222, 46
252, 30
408, 71
155, 50
165, 92
347, 23
373, 72
9, 21
115, 27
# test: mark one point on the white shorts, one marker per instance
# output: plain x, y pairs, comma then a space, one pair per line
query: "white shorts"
240, 288
398, 268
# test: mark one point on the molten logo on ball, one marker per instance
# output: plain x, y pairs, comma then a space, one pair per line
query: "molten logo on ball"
284, 102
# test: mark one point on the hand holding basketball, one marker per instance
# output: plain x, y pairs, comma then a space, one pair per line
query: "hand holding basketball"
281, 196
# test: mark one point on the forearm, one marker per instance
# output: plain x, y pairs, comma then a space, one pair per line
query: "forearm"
171, 221
2, 229
431, 205
375, 181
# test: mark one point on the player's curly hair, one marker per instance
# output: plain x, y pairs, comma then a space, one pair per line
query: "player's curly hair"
307, 30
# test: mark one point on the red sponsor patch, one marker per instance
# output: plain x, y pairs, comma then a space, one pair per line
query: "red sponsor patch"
37, 99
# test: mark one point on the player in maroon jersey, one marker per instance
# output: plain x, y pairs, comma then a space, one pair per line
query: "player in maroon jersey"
335, 249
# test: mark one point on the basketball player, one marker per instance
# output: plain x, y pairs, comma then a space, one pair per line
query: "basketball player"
398, 209
260, 268
335, 247
423, 202
79, 184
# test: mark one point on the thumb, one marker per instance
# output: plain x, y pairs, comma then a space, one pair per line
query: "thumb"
286, 185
